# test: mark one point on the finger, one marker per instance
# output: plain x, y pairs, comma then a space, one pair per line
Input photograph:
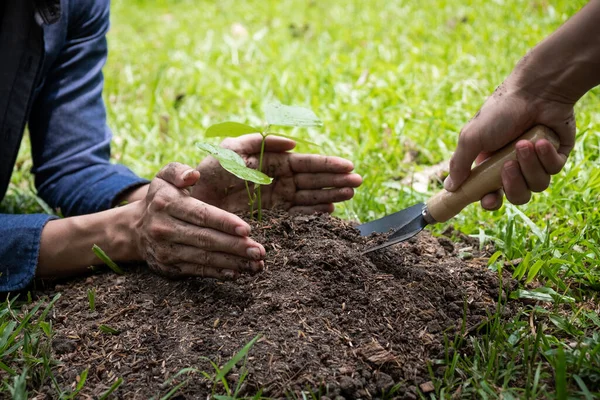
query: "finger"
318, 163
178, 174
535, 175
468, 148
551, 160
192, 256
251, 144
319, 208
492, 201
212, 240
198, 213
323, 196
326, 180
493, 127
514, 183
278, 144
186, 270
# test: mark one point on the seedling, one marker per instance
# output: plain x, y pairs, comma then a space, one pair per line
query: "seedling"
276, 114
106, 259
108, 330
91, 293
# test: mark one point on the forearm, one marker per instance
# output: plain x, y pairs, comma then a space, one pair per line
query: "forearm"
132, 195
567, 63
66, 244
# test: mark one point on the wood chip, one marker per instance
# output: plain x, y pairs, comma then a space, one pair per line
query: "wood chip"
375, 353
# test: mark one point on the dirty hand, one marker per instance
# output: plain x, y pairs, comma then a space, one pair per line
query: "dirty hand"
179, 236
303, 183
507, 114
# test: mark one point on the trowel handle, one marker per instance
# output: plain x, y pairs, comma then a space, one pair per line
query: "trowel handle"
484, 178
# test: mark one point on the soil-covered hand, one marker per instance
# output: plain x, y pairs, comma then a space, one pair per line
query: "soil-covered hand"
541, 90
507, 114
303, 183
179, 236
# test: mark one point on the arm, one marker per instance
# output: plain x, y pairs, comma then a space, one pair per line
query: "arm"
69, 135
176, 235
542, 89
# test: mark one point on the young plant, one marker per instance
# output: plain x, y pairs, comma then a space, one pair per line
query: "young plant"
91, 294
276, 114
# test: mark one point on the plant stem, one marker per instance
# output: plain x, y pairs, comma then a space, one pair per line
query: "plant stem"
250, 199
260, 163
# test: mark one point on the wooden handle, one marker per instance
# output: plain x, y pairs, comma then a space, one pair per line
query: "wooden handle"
484, 178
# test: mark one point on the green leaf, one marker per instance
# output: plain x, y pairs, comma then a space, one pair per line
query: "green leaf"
81, 383
565, 325
19, 389
584, 389
236, 358
107, 329
541, 294
114, 387
231, 129
533, 271
534, 228
560, 374
7, 368
174, 390
282, 115
232, 162
494, 257
106, 260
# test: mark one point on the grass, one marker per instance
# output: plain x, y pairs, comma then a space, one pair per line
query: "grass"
386, 77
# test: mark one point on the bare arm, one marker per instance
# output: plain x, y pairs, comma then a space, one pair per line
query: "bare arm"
566, 64
66, 244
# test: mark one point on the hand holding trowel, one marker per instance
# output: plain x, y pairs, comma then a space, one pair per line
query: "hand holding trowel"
484, 178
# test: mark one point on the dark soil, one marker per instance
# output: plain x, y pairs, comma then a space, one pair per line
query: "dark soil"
330, 318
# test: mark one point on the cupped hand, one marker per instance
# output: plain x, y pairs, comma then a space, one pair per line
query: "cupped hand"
179, 236
506, 115
303, 183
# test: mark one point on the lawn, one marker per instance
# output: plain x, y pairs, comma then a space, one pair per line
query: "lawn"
393, 82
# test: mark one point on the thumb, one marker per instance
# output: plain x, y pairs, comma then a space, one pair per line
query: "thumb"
496, 124
468, 148
179, 175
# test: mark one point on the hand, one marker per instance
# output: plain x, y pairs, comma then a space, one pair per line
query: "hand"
181, 236
506, 115
303, 183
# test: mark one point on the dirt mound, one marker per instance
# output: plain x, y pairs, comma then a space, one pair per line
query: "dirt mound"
330, 317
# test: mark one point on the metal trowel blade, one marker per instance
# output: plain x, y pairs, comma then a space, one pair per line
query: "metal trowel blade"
403, 224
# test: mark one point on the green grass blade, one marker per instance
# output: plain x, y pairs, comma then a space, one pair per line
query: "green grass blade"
113, 387
174, 390
236, 358
560, 374
584, 389
106, 260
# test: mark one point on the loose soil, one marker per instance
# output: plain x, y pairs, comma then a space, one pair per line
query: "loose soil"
331, 318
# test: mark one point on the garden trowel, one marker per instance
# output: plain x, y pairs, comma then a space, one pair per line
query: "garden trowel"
484, 178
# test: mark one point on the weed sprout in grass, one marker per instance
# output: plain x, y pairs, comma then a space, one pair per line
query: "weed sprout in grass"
276, 114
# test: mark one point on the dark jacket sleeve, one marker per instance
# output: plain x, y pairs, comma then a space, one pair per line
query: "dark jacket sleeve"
69, 135
70, 142
19, 249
